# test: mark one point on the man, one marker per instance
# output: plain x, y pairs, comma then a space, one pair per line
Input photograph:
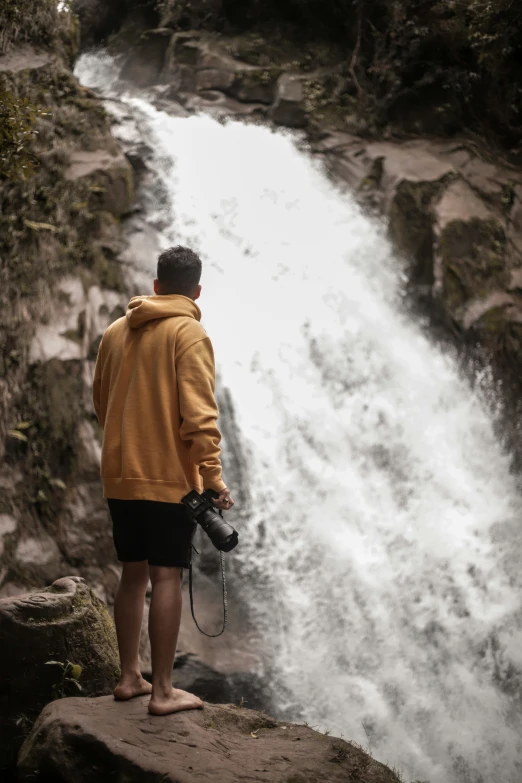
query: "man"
153, 393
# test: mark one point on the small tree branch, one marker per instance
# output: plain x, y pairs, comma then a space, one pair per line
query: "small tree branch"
355, 53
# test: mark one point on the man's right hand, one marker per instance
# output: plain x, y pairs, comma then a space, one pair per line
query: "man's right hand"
224, 501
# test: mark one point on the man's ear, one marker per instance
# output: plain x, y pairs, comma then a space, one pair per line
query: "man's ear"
156, 286
197, 293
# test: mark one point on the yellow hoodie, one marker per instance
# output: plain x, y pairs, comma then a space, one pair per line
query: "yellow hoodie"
153, 393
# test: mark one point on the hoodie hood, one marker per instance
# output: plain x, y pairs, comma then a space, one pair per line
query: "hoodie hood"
143, 309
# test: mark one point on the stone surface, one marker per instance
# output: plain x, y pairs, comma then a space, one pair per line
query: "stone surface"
254, 85
112, 180
39, 557
194, 63
191, 674
101, 739
76, 319
86, 531
214, 79
63, 622
288, 108
21, 58
144, 63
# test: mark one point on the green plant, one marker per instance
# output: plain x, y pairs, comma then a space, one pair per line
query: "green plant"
25, 20
71, 673
17, 131
340, 752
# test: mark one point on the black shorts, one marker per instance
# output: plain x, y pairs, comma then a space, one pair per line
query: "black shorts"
161, 533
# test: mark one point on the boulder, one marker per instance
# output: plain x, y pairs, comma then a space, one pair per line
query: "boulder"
288, 108
145, 61
181, 57
191, 674
110, 179
64, 622
214, 79
102, 739
24, 57
254, 85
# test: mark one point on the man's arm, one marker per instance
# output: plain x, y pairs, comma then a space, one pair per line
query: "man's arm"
196, 383
96, 384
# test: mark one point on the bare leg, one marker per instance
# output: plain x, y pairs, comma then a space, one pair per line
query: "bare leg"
128, 616
164, 620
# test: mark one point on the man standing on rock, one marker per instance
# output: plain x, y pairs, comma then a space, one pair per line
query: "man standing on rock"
153, 394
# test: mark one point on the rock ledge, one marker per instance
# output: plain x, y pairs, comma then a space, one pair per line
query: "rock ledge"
100, 739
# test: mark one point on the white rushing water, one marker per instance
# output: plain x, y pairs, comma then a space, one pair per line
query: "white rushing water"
391, 596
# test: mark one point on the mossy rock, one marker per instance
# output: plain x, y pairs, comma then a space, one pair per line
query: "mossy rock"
51, 226
473, 261
81, 739
65, 622
326, 111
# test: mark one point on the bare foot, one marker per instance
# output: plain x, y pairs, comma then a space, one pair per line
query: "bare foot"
130, 686
176, 701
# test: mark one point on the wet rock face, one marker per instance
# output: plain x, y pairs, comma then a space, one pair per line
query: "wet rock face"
74, 739
64, 622
192, 63
63, 285
454, 219
288, 108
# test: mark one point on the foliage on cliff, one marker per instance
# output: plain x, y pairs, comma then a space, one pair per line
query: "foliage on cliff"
414, 66
46, 24
51, 225
17, 129
405, 66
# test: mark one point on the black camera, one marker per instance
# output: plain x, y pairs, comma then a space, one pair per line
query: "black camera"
222, 535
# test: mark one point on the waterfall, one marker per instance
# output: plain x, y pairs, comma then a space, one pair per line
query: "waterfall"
380, 552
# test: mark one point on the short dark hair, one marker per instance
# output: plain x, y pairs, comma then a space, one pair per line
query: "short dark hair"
179, 271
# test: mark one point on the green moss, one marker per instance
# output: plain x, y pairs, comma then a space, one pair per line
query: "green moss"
93, 643
325, 105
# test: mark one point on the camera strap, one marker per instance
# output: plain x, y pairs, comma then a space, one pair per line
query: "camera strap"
225, 603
